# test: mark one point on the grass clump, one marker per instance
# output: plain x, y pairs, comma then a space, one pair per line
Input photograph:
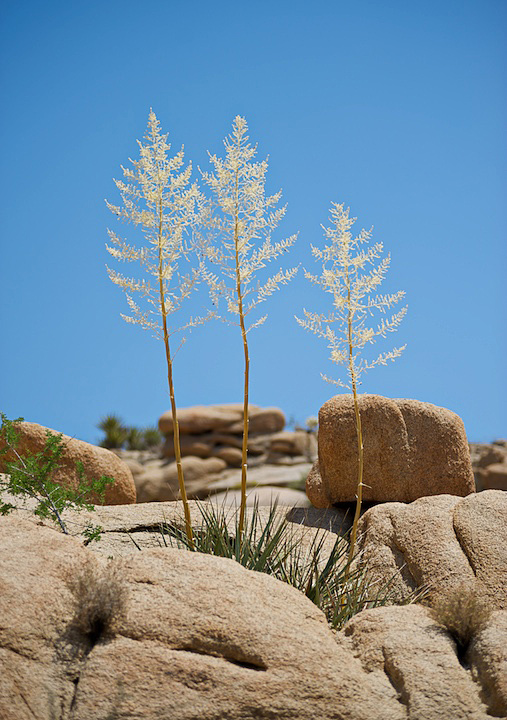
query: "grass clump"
463, 613
100, 598
30, 476
270, 544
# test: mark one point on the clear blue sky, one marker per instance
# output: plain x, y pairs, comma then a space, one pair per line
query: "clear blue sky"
395, 108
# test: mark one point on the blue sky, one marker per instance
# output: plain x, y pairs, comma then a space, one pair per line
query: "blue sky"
396, 109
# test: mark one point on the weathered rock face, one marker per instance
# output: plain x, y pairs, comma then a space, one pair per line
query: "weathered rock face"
439, 543
411, 449
201, 638
96, 461
417, 654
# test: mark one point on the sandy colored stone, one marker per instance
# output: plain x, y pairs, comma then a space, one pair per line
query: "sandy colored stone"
201, 638
161, 484
297, 442
419, 657
261, 420
264, 495
196, 626
494, 476
411, 449
230, 455
202, 418
196, 445
97, 461
439, 543
487, 655
134, 465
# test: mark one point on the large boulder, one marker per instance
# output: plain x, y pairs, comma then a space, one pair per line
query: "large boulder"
96, 461
494, 476
201, 638
202, 418
438, 544
197, 637
411, 449
421, 659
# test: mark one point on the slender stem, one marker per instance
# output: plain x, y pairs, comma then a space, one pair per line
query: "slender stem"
359, 433
244, 449
176, 429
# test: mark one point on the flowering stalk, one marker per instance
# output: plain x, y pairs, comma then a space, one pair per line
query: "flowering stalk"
157, 198
351, 286
240, 220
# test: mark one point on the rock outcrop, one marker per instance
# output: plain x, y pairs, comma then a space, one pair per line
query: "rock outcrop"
211, 442
412, 449
439, 544
97, 461
201, 638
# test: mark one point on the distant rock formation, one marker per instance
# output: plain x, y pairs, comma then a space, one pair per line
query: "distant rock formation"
211, 440
489, 462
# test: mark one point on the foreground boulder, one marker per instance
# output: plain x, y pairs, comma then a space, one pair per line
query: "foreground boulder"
197, 637
96, 461
411, 449
439, 544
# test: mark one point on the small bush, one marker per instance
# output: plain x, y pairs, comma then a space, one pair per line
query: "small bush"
463, 613
100, 598
30, 476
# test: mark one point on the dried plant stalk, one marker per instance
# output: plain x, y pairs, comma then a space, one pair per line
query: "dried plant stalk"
344, 276
157, 197
239, 224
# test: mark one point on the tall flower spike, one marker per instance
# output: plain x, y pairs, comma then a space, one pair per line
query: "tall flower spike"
350, 273
240, 222
158, 198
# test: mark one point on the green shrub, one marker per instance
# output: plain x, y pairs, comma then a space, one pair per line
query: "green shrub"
31, 476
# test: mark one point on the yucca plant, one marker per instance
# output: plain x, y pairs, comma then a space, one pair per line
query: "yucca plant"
270, 545
159, 199
114, 430
240, 221
346, 277
152, 437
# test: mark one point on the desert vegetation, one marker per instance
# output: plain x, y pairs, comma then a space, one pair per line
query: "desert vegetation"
351, 274
29, 475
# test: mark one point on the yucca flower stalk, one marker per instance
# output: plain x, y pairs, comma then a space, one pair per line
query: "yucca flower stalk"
240, 222
158, 197
345, 275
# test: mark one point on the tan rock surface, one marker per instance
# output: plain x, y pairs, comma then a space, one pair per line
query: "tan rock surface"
201, 638
261, 420
488, 658
161, 484
202, 418
411, 449
420, 659
494, 476
184, 648
263, 495
97, 461
440, 543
